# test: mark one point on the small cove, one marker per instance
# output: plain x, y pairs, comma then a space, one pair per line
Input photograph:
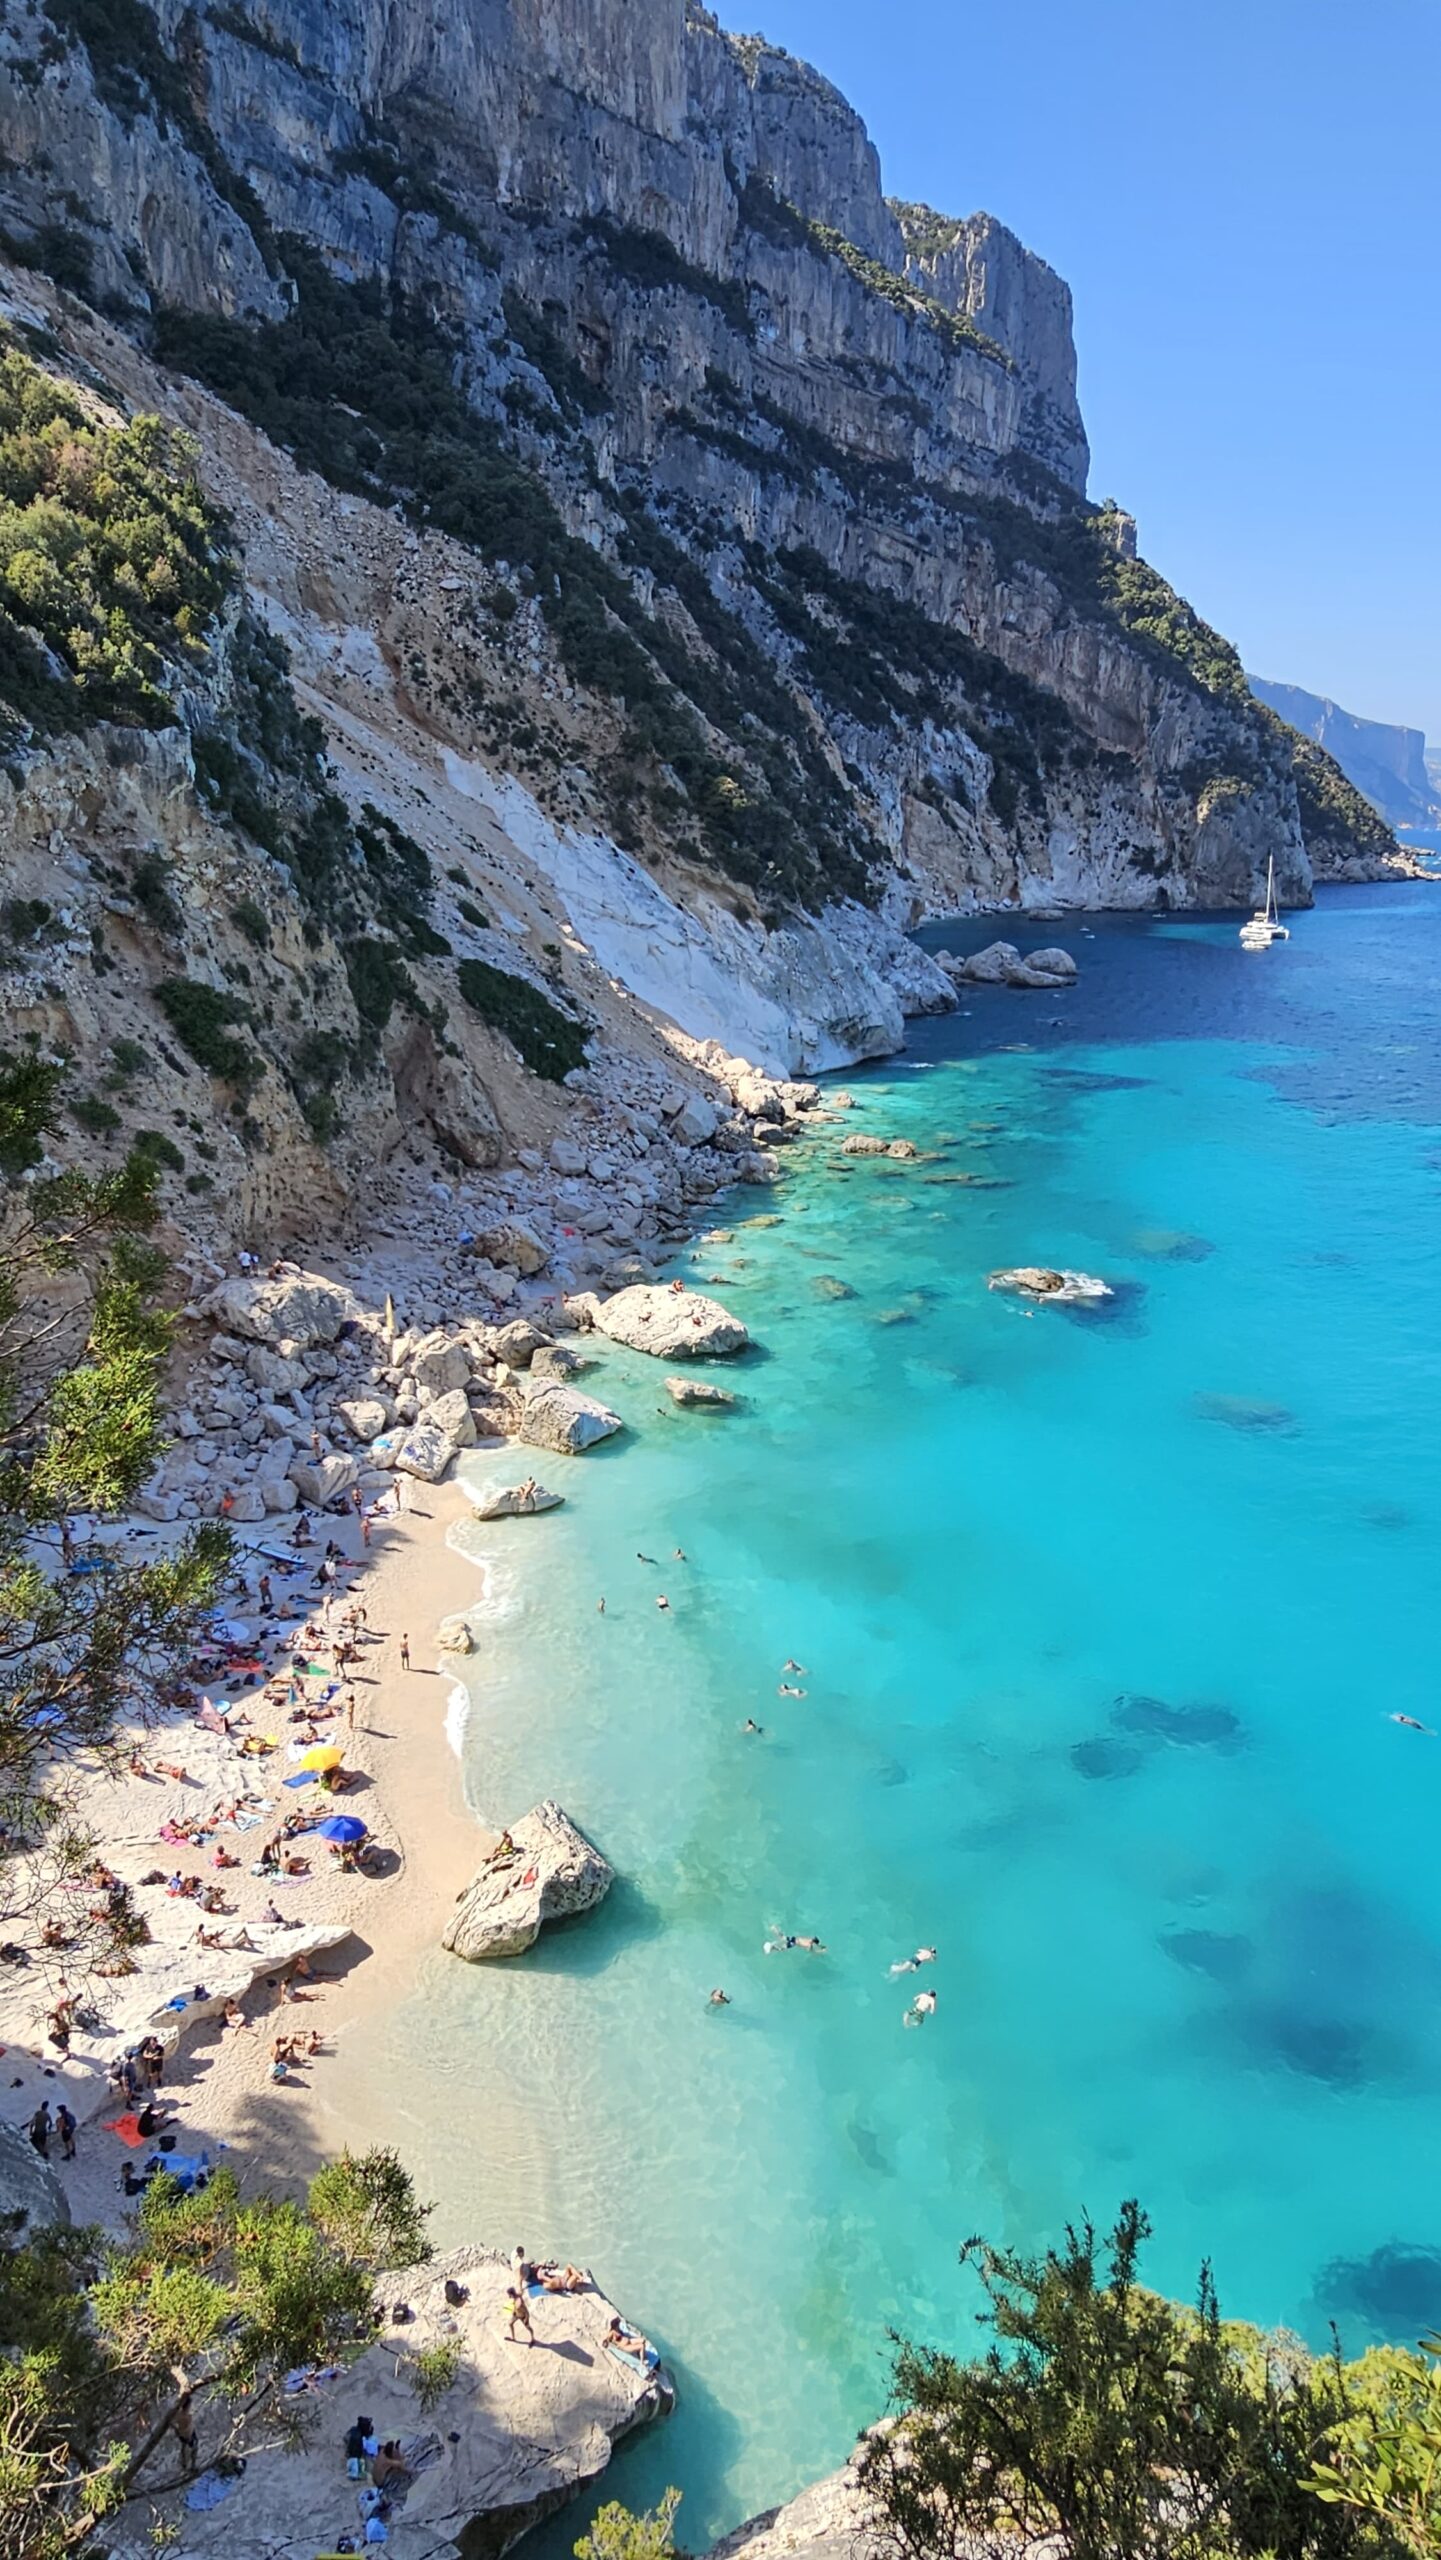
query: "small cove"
1103, 1616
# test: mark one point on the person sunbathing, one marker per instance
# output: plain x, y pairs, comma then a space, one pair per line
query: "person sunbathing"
554, 2279
628, 2342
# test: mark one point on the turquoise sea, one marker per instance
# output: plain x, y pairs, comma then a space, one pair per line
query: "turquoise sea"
1103, 1618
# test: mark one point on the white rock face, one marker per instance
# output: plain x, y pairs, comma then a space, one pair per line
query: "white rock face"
559, 1417
671, 1324
520, 2432
556, 1873
829, 2521
303, 1310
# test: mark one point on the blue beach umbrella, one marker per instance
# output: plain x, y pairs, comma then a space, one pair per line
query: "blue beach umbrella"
341, 1826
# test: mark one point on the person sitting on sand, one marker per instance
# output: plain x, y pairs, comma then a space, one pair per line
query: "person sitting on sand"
235, 2016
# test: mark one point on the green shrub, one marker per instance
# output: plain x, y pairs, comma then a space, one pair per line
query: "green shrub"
111, 572
159, 1149
253, 922
100, 1119
201, 1018
550, 1042
471, 913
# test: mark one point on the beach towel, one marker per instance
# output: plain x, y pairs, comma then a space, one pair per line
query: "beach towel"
305, 1778
638, 2364
127, 2129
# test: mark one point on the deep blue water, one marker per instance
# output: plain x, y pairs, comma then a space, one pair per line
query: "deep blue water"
1104, 1617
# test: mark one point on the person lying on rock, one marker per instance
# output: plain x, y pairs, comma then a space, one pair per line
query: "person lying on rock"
556, 2279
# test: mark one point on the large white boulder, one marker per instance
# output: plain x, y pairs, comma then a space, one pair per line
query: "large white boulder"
426, 1451
555, 1873
515, 1246
439, 1364
364, 1417
452, 1415
699, 1392
991, 967
323, 1480
301, 1309
559, 1417
672, 1324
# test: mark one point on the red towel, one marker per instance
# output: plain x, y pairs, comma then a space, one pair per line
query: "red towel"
128, 2129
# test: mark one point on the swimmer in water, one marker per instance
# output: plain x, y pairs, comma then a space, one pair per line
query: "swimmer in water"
719, 2000
782, 1940
751, 1726
912, 1964
798, 1667
661, 1601
600, 1608
1411, 1725
679, 1555
788, 1689
923, 2006
640, 1559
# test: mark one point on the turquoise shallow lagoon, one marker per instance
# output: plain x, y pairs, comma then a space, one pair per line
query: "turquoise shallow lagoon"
1103, 1619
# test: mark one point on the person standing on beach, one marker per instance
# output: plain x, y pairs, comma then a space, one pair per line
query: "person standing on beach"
518, 2315
405, 1653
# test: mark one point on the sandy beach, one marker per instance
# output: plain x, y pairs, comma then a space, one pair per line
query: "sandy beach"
407, 1788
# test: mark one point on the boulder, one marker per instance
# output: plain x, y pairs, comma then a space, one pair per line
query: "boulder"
991, 967
1053, 1288
513, 1246
512, 1501
672, 1324
426, 1451
453, 1635
860, 1145
452, 1415
439, 1365
247, 1506
903, 1151
301, 1309
274, 1376
699, 1392
567, 1158
555, 1874
693, 1121
559, 1417
364, 1417
517, 1343
278, 1493
323, 1480
1055, 965
556, 1360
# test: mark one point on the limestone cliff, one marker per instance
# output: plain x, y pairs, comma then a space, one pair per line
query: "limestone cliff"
1386, 762
682, 549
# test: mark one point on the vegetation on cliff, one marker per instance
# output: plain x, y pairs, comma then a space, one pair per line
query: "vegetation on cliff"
83, 1341
112, 566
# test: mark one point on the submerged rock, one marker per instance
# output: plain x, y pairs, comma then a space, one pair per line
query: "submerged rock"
1056, 1288
554, 1873
671, 1324
860, 1145
559, 1417
698, 1392
514, 1501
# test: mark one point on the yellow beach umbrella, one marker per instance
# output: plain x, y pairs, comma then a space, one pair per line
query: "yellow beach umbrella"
323, 1755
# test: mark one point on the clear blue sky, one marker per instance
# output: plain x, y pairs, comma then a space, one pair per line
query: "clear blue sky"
1245, 199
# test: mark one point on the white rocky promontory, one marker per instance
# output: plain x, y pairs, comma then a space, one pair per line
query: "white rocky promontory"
517, 2435
555, 1873
672, 1324
828, 2521
1054, 1288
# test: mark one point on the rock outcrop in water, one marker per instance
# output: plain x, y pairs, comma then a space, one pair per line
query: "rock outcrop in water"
670, 1323
554, 1873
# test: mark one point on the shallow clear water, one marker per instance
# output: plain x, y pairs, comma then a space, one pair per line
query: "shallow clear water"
1103, 1617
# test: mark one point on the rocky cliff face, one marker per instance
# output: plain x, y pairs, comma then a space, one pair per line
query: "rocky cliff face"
1385, 762
683, 549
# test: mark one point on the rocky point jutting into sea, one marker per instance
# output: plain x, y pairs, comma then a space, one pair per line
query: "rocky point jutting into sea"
527, 578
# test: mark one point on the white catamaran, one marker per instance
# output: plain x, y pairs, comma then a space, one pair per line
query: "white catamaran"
1265, 926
